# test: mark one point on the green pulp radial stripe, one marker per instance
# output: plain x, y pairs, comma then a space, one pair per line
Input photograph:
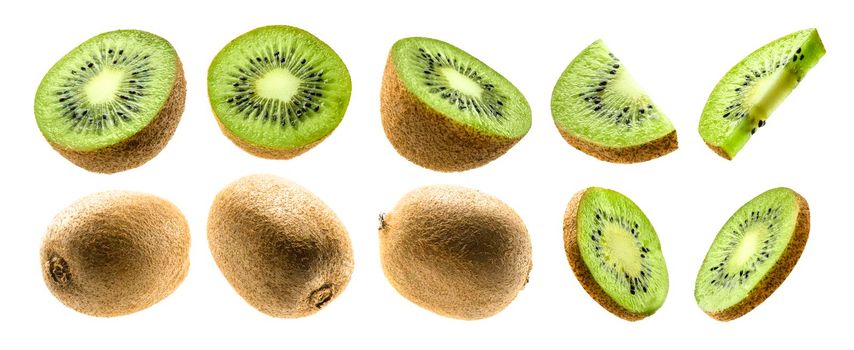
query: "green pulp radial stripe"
616, 256
279, 87
752, 241
106, 90
499, 109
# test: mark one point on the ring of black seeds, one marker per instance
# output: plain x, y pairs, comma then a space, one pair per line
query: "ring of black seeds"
625, 115
768, 217
635, 284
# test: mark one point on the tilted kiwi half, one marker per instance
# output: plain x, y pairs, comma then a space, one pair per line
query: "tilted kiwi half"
113, 102
278, 91
748, 94
281, 248
455, 251
753, 254
114, 253
600, 109
445, 110
615, 253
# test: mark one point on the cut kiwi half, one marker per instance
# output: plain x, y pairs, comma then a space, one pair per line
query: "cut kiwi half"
748, 94
753, 254
615, 253
278, 91
445, 110
112, 103
600, 109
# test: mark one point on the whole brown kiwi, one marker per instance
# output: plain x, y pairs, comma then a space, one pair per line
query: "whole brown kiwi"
455, 251
281, 248
115, 253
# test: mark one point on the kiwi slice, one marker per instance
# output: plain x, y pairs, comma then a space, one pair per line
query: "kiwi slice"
753, 253
455, 251
615, 253
281, 248
112, 103
445, 110
748, 94
278, 91
600, 109
115, 253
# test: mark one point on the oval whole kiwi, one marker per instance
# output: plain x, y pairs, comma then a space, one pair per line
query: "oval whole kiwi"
113, 102
281, 248
455, 251
115, 253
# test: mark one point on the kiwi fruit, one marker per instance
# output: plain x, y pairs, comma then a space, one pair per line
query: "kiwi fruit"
277, 91
114, 253
615, 253
600, 109
445, 110
281, 248
747, 95
753, 254
455, 251
112, 103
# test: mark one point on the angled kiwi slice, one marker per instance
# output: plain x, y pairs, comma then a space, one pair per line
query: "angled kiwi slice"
113, 102
615, 253
753, 253
600, 109
748, 94
281, 248
114, 253
445, 110
278, 91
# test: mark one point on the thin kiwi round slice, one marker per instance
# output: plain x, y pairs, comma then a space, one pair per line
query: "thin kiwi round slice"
747, 95
278, 91
113, 102
753, 253
445, 110
615, 253
600, 109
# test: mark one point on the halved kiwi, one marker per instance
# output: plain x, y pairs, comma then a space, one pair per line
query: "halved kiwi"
278, 91
113, 102
445, 110
600, 109
748, 94
114, 253
753, 254
615, 253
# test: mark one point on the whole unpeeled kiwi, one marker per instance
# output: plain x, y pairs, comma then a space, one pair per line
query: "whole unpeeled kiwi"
115, 253
281, 248
455, 251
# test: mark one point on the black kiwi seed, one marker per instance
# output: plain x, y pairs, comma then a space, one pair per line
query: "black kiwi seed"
633, 283
490, 104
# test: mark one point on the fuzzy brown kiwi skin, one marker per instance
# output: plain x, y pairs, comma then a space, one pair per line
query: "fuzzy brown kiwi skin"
626, 155
775, 277
115, 253
455, 251
279, 246
719, 151
141, 147
266, 152
428, 138
579, 268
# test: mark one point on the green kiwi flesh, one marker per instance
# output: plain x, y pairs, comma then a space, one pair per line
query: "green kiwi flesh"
615, 253
753, 253
277, 91
600, 109
747, 95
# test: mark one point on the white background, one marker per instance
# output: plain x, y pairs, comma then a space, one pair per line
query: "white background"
676, 51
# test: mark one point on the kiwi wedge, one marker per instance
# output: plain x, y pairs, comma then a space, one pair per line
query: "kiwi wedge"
600, 109
445, 110
455, 251
615, 253
281, 248
278, 91
115, 253
747, 95
112, 103
753, 254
